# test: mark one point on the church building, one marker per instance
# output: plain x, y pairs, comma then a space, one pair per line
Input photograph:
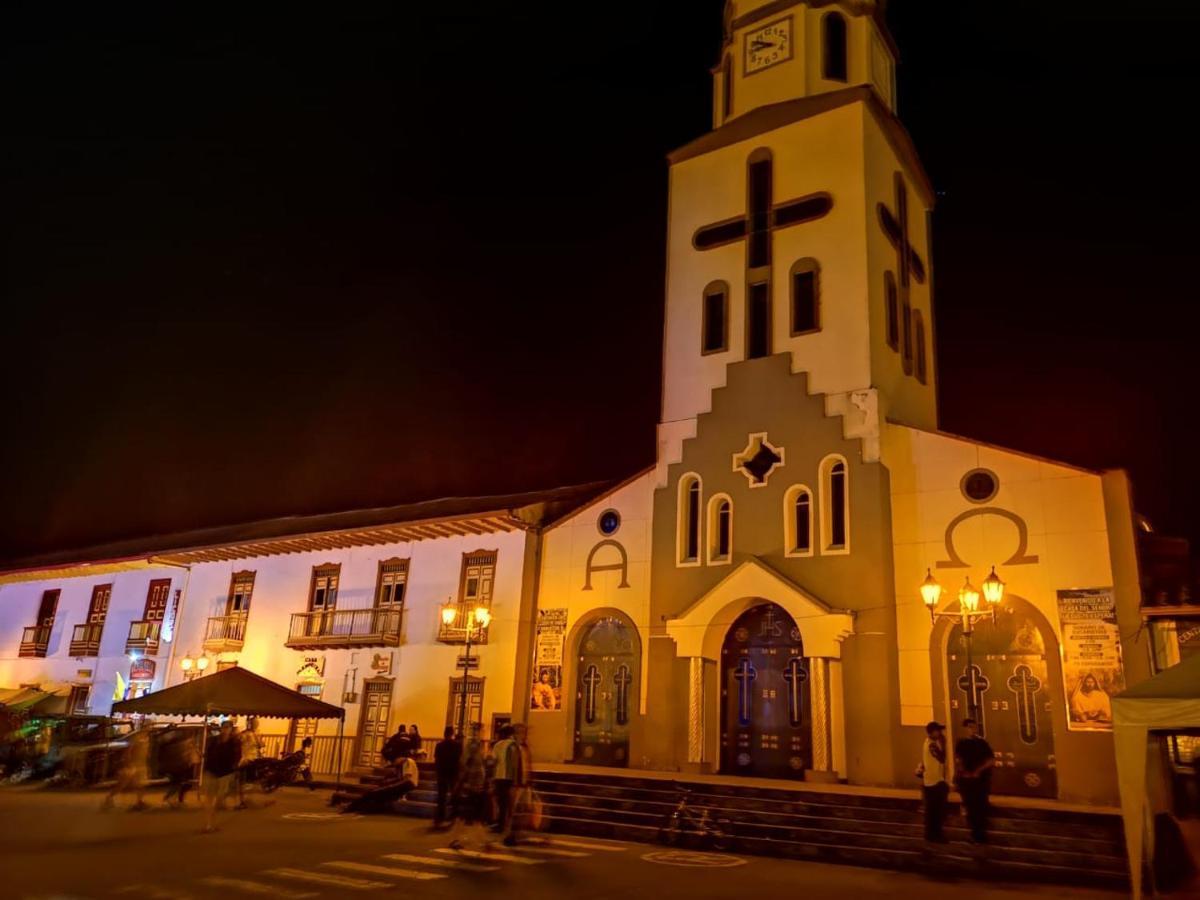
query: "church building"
809, 572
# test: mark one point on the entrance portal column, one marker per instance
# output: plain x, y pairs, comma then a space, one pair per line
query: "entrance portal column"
695, 749
822, 724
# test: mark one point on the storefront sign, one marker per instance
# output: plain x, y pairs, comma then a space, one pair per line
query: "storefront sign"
381, 663
167, 631
1188, 632
312, 670
1091, 657
546, 695
142, 669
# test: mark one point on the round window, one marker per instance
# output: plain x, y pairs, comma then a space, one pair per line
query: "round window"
980, 485
609, 522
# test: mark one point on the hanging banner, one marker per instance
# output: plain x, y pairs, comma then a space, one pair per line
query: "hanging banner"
1091, 657
548, 660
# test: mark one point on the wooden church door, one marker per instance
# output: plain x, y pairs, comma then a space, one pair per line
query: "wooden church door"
606, 693
1008, 678
766, 725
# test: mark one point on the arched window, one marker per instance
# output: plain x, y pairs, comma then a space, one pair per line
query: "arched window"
835, 58
720, 530
919, 335
727, 88
715, 328
689, 520
806, 296
893, 310
798, 521
835, 505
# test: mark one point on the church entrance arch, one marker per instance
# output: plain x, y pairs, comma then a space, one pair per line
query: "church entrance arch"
766, 721
1002, 677
606, 691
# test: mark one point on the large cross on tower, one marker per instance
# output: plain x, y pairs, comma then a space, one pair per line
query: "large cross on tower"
745, 673
763, 217
908, 267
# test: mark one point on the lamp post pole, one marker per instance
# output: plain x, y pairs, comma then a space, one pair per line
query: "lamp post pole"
466, 678
479, 617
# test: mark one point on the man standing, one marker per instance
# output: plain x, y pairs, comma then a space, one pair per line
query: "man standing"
973, 762
934, 789
446, 757
220, 769
506, 755
251, 752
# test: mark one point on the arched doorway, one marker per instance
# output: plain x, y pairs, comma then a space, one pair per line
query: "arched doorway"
606, 692
1002, 678
766, 726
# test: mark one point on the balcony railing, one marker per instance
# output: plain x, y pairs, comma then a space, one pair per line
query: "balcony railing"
143, 636
225, 633
85, 639
373, 627
34, 640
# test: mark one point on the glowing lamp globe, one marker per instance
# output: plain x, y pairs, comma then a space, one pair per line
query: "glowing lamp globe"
448, 614
993, 589
202, 664
931, 591
483, 616
186, 664
968, 596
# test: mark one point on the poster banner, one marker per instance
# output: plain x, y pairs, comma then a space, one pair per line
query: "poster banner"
1091, 657
548, 660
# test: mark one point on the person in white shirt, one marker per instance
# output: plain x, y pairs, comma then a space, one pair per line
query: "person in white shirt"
935, 789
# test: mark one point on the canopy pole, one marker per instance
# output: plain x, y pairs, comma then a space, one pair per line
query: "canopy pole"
338, 775
203, 748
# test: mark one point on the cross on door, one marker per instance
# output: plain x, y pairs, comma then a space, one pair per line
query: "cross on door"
908, 261
795, 675
974, 684
591, 681
622, 680
1025, 685
745, 673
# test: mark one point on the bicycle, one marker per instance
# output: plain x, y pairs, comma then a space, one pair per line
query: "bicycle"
684, 822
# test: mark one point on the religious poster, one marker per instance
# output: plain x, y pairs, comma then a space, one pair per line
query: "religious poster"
1091, 657
548, 660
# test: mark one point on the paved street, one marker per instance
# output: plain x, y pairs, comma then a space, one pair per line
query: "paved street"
62, 845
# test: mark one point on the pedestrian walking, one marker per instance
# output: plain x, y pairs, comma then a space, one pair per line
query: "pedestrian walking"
133, 772
470, 792
447, 756
178, 757
521, 804
220, 771
506, 756
934, 787
973, 762
251, 747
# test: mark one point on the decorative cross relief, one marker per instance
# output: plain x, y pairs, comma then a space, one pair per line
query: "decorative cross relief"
1025, 685
974, 684
795, 675
622, 680
591, 681
745, 673
758, 460
908, 263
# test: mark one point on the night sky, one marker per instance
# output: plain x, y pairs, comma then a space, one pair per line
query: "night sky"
294, 260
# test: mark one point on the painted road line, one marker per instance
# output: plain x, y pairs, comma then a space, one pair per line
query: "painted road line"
253, 887
150, 890
354, 884
586, 845
548, 851
495, 857
389, 871
440, 863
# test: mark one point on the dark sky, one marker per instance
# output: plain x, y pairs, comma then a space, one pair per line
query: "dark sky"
290, 260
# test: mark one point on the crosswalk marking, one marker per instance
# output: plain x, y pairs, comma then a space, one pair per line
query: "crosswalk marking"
586, 845
548, 851
253, 887
440, 863
388, 871
497, 857
354, 884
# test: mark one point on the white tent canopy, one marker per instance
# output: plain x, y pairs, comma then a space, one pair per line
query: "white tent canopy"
1170, 701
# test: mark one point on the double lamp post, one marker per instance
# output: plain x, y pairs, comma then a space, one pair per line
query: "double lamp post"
476, 622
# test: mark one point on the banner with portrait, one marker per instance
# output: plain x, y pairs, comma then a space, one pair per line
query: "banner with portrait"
546, 695
1091, 657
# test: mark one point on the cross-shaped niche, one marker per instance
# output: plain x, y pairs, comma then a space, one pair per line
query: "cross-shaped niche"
758, 460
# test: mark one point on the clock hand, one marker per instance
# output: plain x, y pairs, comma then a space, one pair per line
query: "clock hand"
760, 45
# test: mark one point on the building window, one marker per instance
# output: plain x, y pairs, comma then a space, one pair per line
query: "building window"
475, 585
798, 521
893, 310
393, 576
720, 530
48, 608
716, 318
758, 320
323, 594
922, 366
806, 283
77, 700
689, 520
835, 505
241, 587
759, 251
836, 52
727, 88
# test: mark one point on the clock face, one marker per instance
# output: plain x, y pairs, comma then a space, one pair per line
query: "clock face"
768, 45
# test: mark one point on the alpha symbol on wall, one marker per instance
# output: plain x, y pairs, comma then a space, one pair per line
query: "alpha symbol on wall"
621, 566
758, 460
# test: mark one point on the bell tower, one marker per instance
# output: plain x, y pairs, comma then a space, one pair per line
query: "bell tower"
775, 51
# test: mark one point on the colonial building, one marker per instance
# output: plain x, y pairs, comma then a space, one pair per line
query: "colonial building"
780, 593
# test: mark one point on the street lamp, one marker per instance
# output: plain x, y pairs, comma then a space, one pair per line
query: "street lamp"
968, 611
478, 618
193, 667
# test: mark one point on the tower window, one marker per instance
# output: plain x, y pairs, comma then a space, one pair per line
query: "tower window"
727, 88
715, 337
922, 364
758, 320
798, 521
834, 59
835, 505
760, 212
805, 296
689, 519
893, 310
720, 529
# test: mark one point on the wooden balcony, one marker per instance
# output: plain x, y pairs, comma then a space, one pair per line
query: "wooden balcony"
85, 639
143, 637
225, 634
34, 641
372, 627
